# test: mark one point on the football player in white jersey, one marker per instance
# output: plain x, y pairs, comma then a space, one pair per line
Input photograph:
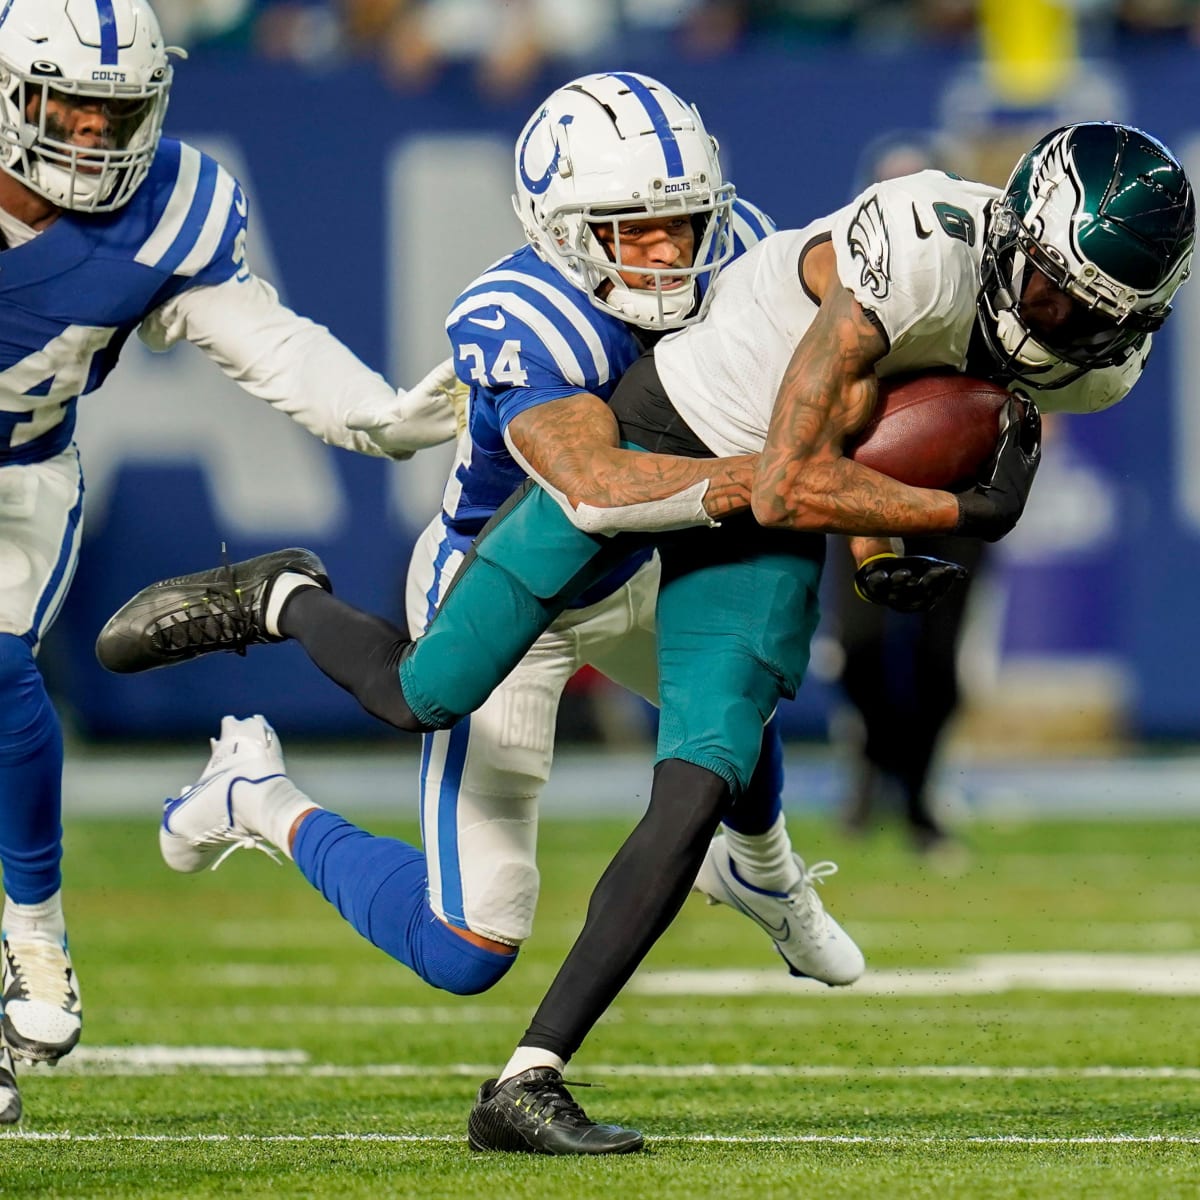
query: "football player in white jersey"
107, 227
628, 222
1054, 286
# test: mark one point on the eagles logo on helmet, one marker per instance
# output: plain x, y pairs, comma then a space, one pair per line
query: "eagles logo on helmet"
1106, 212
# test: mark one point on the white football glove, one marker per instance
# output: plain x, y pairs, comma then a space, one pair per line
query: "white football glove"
429, 414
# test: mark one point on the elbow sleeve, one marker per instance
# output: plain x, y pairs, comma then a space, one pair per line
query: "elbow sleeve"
680, 511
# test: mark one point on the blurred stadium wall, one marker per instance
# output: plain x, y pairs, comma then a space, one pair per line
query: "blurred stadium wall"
371, 208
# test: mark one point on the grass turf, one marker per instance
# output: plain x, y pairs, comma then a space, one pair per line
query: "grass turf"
811, 1090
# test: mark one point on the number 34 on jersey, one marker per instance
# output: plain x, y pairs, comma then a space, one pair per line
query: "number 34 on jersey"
506, 368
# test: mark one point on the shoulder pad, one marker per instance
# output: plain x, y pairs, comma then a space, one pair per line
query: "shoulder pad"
196, 218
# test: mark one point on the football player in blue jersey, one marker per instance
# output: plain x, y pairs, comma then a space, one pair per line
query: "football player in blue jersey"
107, 227
542, 337
628, 221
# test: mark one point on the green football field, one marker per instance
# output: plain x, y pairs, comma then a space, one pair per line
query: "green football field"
1029, 1028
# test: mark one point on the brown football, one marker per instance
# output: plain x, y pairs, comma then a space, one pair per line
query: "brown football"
931, 430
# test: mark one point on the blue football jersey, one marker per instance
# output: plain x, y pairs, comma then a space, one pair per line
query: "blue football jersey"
71, 296
522, 335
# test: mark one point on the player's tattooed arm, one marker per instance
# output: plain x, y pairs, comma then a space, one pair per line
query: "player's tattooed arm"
828, 393
573, 445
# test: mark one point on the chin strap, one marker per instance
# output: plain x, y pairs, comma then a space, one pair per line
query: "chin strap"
1020, 343
641, 307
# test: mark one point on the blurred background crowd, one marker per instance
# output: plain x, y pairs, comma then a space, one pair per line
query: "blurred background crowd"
507, 42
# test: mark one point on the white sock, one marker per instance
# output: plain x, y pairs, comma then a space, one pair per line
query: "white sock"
270, 809
45, 917
526, 1057
764, 860
281, 589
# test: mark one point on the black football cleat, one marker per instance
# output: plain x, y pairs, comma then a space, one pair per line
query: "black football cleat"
182, 618
10, 1097
533, 1113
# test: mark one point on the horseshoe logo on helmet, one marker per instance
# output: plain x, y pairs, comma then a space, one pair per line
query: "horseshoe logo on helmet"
539, 185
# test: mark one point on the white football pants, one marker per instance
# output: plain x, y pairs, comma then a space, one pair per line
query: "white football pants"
41, 520
480, 781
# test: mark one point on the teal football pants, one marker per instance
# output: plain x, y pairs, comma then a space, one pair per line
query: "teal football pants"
736, 612
737, 609
525, 569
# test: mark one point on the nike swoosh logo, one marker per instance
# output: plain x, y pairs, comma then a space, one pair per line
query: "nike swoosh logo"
169, 806
921, 233
778, 933
496, 322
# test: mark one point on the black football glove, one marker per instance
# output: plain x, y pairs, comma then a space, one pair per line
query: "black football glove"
993, 506
906, 582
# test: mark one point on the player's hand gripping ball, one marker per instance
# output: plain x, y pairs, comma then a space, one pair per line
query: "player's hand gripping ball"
995, 503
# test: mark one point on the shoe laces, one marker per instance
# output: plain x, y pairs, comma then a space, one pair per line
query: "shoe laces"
549, 1099
803, 899
218, 614
43, 967
244, 622
232, 840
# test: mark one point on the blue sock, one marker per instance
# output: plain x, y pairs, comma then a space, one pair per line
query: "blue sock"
31, 760
758, 808
379, 885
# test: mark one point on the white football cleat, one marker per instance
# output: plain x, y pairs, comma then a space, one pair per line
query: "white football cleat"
43, 1015
808, 939
10, 1096
201, 827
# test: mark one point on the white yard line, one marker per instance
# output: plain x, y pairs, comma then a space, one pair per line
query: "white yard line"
1159, 974
1119, 1139
1146, 974
243, 1061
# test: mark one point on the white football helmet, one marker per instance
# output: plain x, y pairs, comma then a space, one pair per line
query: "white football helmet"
106, 56
623, 146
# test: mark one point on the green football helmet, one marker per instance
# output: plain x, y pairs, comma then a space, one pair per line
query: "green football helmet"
1106, 212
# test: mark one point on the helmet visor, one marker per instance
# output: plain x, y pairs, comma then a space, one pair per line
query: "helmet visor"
84, 146
1077, 333
81, 126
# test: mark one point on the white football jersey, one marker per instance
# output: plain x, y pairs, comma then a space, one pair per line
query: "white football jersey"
909, 249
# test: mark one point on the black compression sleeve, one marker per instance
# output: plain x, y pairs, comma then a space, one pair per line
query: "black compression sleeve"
637, 897
358, 651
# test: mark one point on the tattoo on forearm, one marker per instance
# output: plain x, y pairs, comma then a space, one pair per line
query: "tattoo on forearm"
573, 444
828, 393
730, 487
